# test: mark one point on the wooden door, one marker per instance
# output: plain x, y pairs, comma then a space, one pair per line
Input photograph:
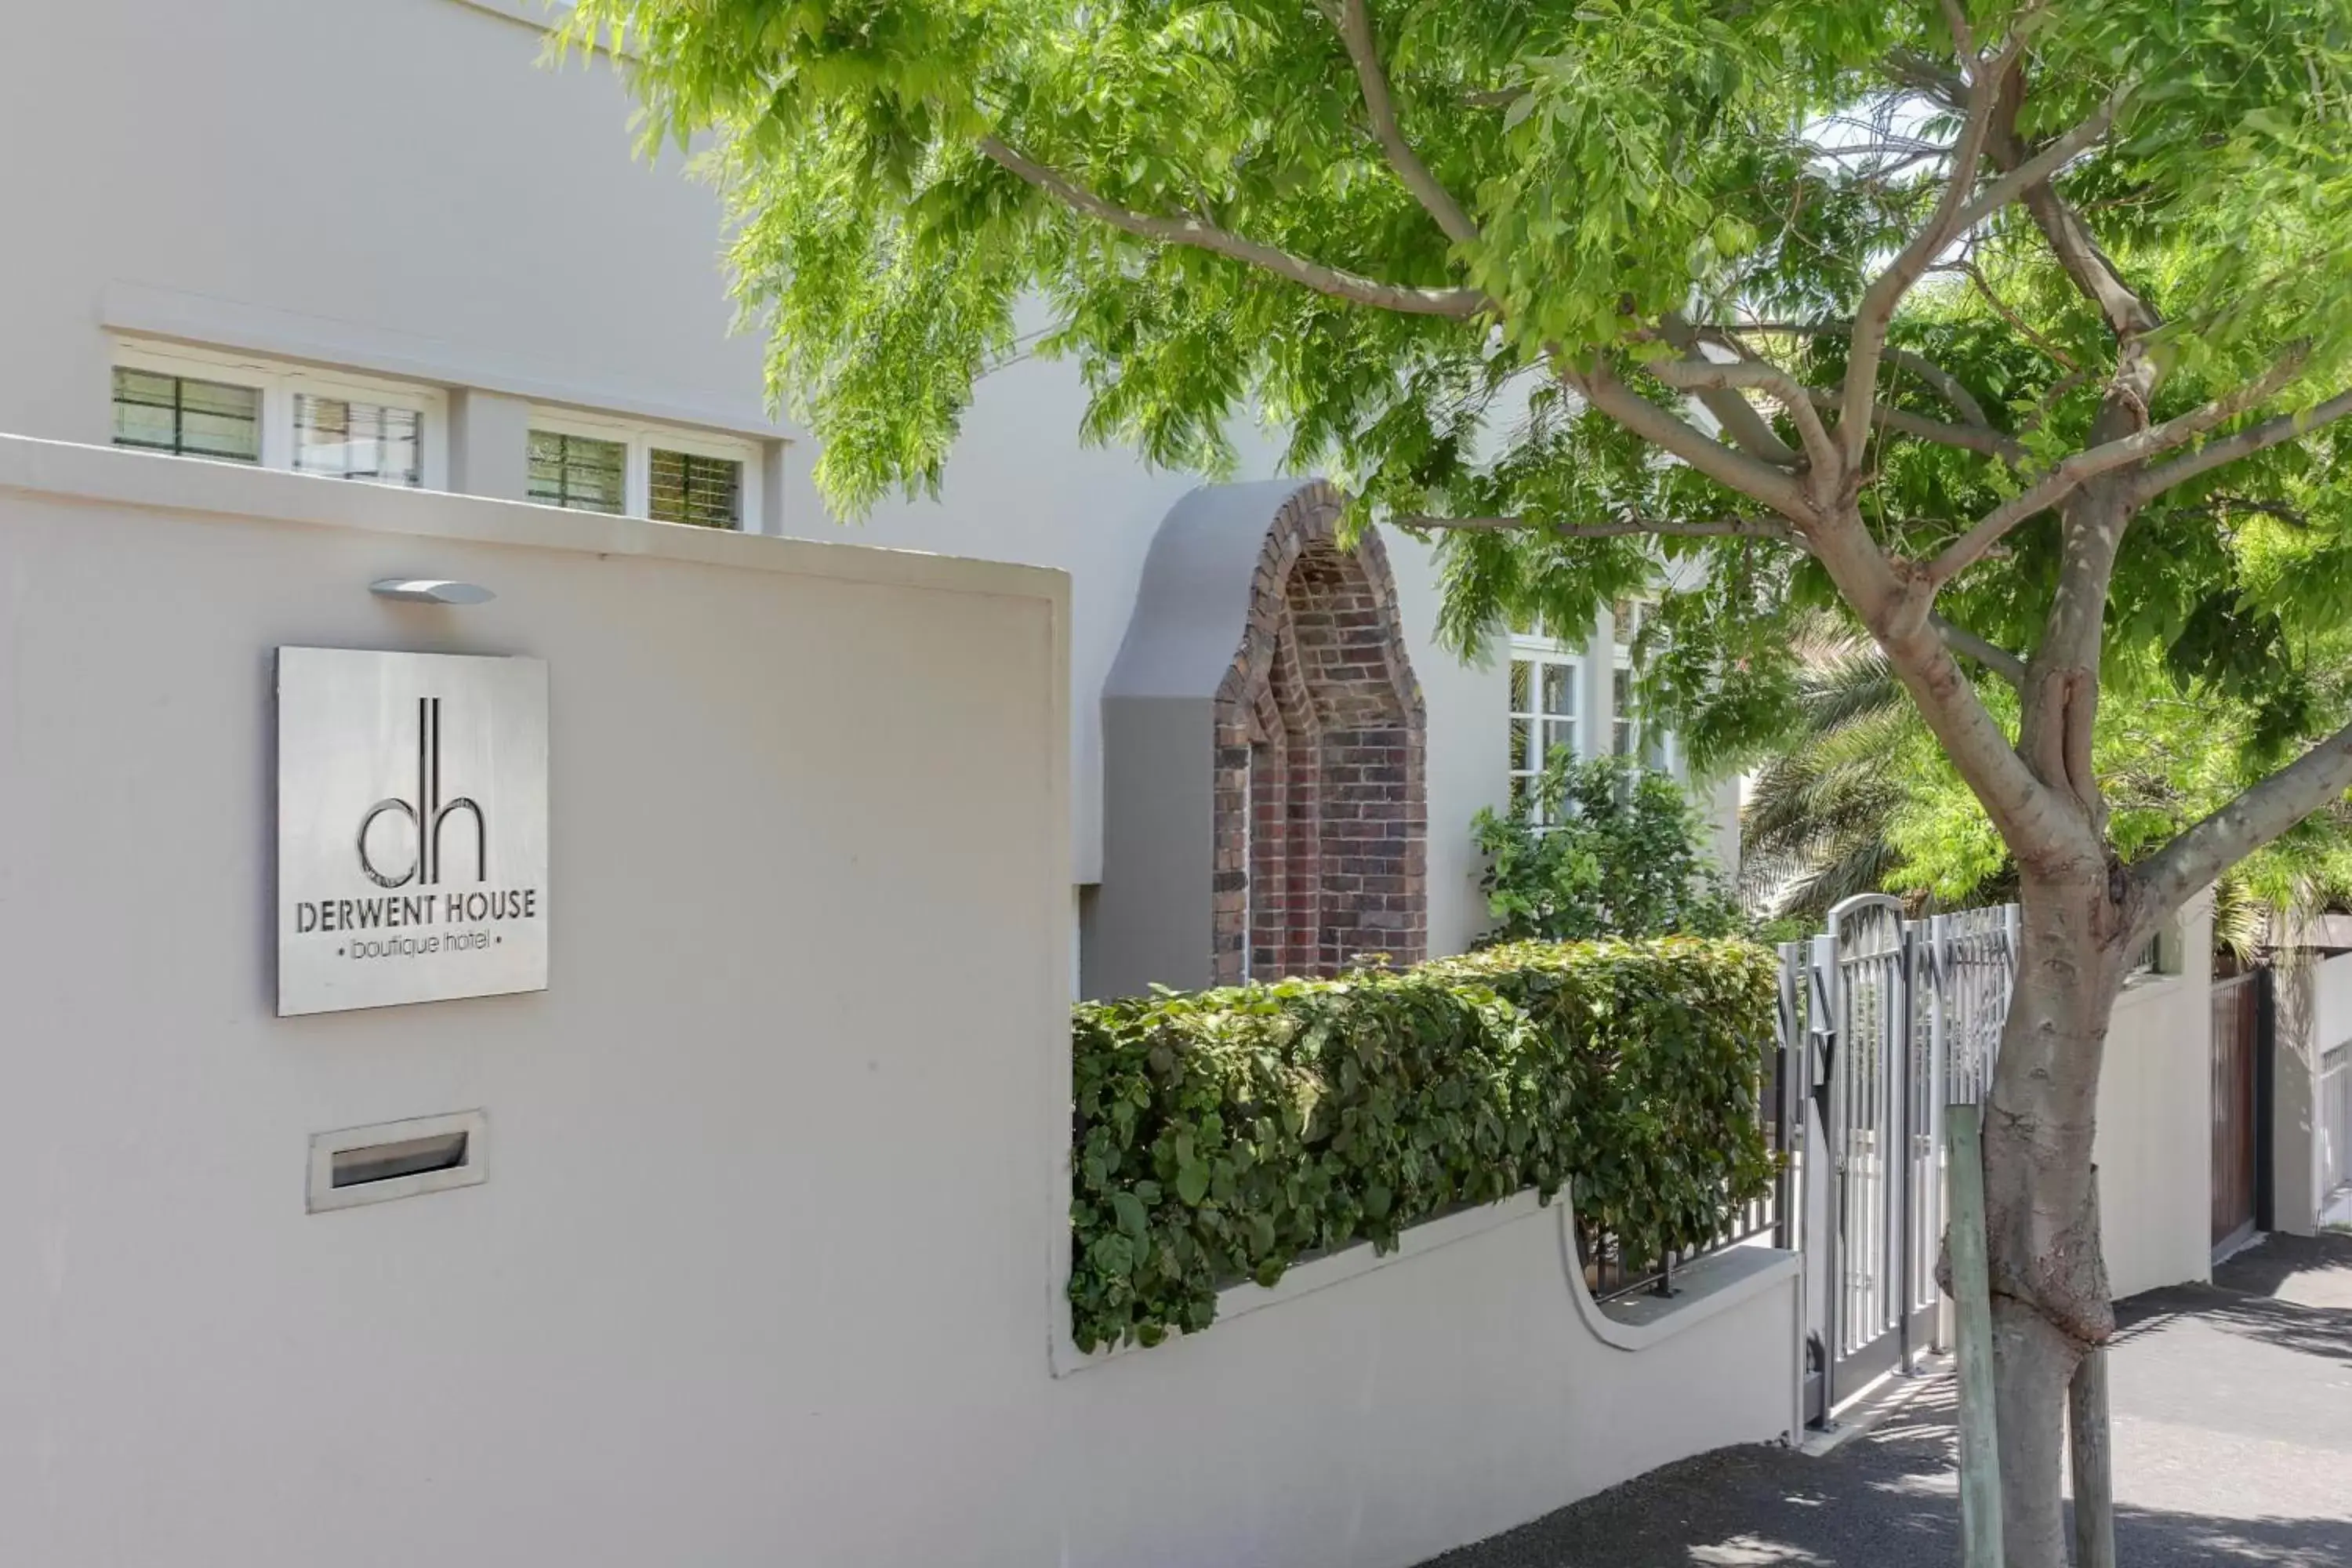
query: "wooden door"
2237, 1017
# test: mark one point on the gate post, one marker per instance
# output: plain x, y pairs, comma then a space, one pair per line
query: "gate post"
1823, 1071
1939, 1092
1900, 1161
1789, 1227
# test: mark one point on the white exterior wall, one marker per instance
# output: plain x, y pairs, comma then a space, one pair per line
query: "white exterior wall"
765, 1268
399, 188
2154, 1148
2332, 1001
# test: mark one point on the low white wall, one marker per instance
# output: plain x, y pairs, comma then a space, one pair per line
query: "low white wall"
2156, 1124
1446, 1396
763, 1268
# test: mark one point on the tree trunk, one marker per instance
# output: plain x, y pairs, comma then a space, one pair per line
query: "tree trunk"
2049, 1281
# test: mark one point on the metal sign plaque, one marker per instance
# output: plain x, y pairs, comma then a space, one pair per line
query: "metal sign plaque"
411, 827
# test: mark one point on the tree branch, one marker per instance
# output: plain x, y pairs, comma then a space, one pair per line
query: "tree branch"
1731, 411
2007, 313
1459, 303
1993, 657
2078, 253
2036, 169
1767, 528
1981, 438
1947, 386
2089, 464
1727, 466
2243, 444
2164, 882
1876, 314
1355, 25
1760, 375
1894, 604
1956, 212
1978, 432
1956, 17
1928, 77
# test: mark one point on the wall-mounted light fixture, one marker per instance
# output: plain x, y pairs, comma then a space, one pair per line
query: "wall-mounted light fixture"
430, 591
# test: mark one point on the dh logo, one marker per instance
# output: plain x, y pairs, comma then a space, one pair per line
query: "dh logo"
427, 815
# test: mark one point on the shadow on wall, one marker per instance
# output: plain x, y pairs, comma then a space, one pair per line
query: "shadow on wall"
1890, 1501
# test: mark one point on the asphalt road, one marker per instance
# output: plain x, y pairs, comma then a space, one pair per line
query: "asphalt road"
2232, 1411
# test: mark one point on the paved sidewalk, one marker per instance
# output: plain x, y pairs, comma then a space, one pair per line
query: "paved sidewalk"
2232, 1408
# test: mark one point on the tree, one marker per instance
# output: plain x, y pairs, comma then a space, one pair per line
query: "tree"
2017, 332
1606, 847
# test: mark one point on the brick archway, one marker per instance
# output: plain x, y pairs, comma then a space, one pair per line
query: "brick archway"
1320, 818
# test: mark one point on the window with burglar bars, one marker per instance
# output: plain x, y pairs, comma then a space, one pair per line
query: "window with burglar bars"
353, 441
196, 402
596, 463
691, 488
187, 417
582, 472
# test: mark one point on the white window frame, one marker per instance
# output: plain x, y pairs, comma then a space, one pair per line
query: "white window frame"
640, 438
279, 382
1535, 649
1622, 646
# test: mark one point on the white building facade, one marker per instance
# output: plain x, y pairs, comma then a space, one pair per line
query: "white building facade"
390, 246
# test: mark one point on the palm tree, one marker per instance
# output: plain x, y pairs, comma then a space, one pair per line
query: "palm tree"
1813, 828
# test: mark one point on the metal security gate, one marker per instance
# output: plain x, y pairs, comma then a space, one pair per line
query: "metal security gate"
1898, 1018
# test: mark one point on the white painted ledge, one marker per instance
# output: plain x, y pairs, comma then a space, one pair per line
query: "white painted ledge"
74, 472
1704, 1289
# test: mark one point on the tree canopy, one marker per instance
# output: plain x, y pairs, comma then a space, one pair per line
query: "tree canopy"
1479, 260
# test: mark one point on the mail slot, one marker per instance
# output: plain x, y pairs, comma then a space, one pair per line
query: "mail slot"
397, 1159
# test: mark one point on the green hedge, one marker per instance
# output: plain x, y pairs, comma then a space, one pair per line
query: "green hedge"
1222, 1135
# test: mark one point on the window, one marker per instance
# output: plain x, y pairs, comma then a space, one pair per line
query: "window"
579, 471
594, 463
207, 403
157, 412
355, 440
1629, 737
1545, 676
688, 487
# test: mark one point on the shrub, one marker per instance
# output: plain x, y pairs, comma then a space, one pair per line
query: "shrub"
1222, 1135
1619, 852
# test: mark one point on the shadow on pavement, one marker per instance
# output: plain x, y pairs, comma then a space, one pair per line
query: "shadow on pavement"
2306, 1330
1884, 1501
1889, 1499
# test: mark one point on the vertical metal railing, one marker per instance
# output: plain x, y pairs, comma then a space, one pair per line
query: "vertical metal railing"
1885, 1021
